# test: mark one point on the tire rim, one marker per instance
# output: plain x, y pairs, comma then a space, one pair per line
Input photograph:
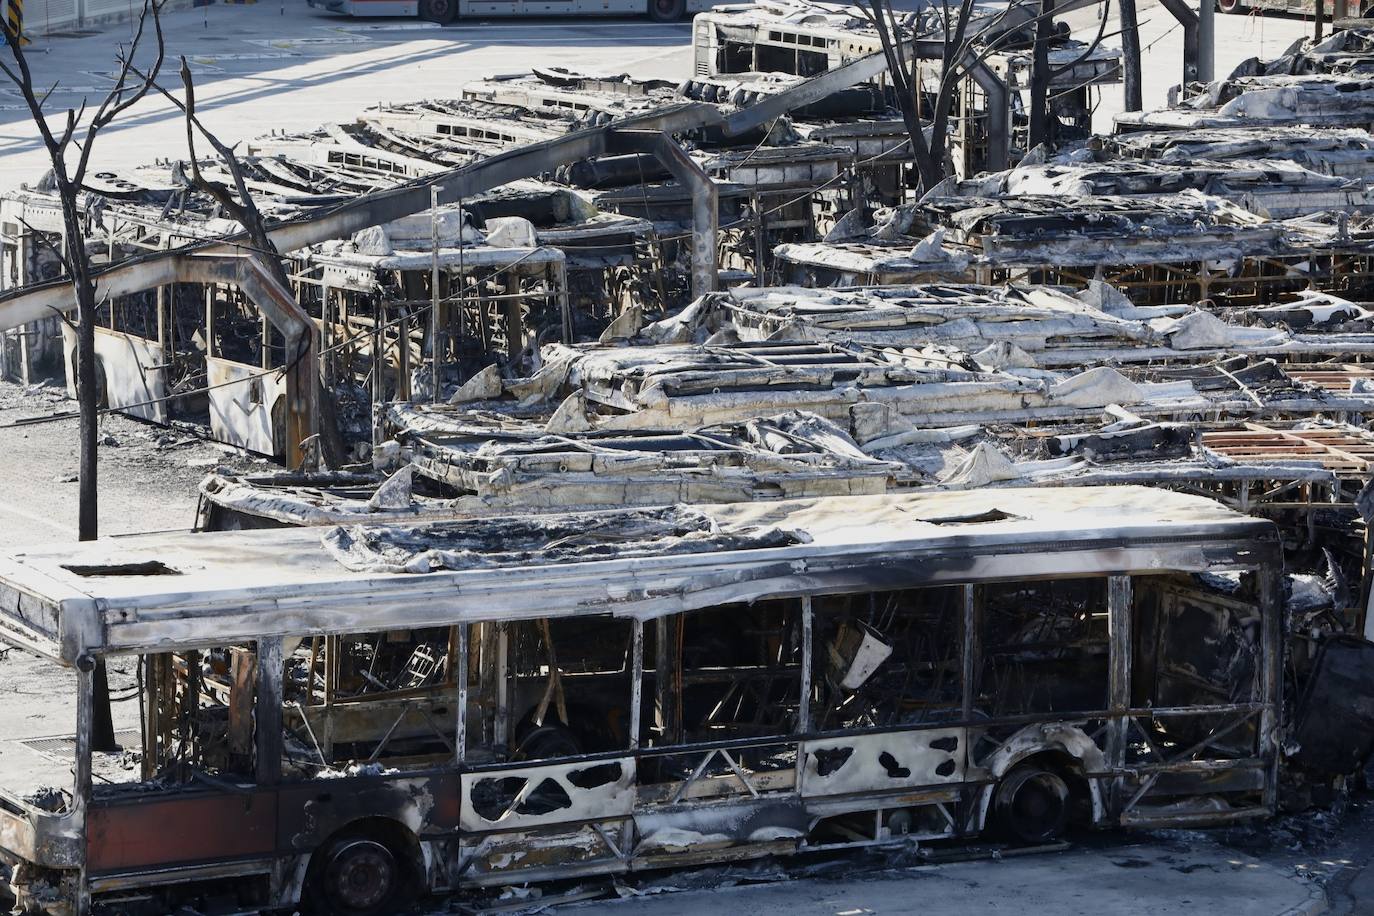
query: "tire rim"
665, 7
1037, 807
361, 875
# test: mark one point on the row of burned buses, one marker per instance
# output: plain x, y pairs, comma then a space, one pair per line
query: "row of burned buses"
345, 718
414, 307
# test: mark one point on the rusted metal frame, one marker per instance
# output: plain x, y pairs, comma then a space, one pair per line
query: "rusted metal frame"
1298, 438
739, 772
460, 723
1146, 785
310, 733
1149, 742
1118, 683
435, 351
1277, 491
267, 712
81, 790
696, 774
622, 855
148, 765
438, 732
502, 683
386, 738
667, 663
1271, 682
477, 851
807, 638
636, 680
1190, 755
298, 330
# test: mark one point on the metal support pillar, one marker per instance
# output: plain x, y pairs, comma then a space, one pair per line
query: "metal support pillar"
1130, 57
636, 680
267, 718
1271, 676
804, 707
705, 197
999, 116
1118, 686
1206, 40
1188, 19
667, 665
460, 677
81, 791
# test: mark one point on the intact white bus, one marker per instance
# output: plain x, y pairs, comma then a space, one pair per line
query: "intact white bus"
446, 11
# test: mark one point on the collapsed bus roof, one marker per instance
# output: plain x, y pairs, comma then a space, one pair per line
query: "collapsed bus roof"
166, 591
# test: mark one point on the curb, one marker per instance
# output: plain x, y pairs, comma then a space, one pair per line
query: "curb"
1315, 904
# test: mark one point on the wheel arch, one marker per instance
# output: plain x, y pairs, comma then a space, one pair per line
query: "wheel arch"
1067, 745
397, 836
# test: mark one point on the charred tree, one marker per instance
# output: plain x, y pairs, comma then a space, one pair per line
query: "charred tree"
68, 181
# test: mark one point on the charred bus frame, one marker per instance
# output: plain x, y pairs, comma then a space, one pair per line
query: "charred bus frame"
894, 669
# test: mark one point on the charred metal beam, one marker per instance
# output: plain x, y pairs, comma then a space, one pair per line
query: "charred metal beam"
999, 115
705, 198
1180, 10
267, 714
1118, 684
1207, 41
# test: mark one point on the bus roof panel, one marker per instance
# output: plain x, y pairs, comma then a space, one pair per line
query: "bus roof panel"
178, 590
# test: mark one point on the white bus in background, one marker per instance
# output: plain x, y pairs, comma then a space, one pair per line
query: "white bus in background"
446, 11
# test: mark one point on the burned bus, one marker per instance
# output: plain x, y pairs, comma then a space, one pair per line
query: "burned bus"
341, 718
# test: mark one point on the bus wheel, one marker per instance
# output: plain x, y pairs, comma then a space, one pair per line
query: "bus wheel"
667, 10
1031, 804
361, 877
440, 11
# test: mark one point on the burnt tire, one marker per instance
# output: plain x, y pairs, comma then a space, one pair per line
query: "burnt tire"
358, 875
440, 11
1031, 805
547, 741
667, 10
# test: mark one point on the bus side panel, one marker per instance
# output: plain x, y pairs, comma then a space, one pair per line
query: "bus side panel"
550, 8
369, 7
152, 832
314, 810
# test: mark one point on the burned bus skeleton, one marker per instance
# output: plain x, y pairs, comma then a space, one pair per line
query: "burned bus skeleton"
363, 712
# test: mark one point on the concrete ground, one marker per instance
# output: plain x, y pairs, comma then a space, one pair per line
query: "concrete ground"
273, 65
1156, 878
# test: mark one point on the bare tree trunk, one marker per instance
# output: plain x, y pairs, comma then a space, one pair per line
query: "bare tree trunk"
69, 181
1130, 56
87, 384
88, 410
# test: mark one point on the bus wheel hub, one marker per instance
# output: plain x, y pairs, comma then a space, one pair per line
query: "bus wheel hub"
361, 874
